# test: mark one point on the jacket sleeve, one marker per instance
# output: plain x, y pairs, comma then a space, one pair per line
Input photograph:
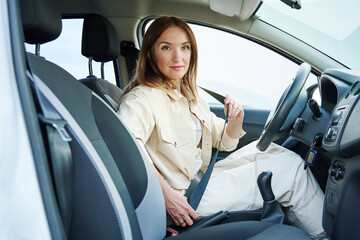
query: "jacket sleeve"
217, 126
136, 114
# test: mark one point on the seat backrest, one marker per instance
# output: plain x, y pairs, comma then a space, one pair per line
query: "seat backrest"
116, 194
100, 43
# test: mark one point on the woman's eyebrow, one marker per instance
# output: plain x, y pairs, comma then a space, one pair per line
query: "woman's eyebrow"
165, 43
168, 43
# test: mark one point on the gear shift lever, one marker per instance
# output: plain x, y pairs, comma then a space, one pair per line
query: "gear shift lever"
264, 184
272, 211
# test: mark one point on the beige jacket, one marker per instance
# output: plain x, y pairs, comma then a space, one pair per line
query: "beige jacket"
162, 122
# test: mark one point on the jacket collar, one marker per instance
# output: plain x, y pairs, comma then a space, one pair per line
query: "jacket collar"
176, 96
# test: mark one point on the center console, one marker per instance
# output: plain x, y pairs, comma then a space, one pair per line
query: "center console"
342, 141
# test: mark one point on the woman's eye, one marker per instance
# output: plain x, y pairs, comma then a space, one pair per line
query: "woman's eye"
165, 48
186, 47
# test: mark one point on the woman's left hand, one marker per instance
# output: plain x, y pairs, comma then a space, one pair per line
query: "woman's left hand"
236, 111
235, 116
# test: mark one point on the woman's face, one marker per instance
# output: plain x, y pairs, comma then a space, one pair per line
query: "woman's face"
172, 53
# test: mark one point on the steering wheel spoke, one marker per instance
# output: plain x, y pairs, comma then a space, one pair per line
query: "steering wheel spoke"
286, 110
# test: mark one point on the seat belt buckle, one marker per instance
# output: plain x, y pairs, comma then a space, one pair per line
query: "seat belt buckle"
59, 125
171, 232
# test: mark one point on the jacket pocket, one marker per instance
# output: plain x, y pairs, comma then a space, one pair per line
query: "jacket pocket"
177, 140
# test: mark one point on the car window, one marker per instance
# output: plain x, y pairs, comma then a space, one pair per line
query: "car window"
252, 74
66, 52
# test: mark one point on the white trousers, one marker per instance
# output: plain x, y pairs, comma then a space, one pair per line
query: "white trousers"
233, 185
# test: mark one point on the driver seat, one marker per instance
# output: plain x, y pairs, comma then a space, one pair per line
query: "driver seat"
116, 193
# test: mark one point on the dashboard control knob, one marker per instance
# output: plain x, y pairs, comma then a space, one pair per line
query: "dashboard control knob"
329, 133
314, 107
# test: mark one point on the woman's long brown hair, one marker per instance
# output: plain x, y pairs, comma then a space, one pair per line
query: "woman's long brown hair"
147, 72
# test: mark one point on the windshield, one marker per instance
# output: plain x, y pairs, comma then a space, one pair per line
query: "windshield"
331, 26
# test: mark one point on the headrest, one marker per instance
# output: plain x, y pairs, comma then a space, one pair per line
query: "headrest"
99, 39
41, 20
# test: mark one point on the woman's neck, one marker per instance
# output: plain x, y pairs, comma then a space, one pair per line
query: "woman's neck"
176, 84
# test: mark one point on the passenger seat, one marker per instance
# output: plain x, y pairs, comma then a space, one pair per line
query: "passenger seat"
100, 43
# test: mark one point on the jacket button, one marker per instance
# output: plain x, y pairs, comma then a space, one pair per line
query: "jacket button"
203, 121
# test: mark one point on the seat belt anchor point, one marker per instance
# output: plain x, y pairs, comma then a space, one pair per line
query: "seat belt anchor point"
59, 125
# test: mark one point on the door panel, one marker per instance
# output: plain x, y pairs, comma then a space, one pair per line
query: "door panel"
254, 122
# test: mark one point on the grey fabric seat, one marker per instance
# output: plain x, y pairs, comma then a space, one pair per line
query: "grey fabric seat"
116, 193
102, 205
101, 44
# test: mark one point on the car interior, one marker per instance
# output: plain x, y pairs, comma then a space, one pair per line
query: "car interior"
97, 181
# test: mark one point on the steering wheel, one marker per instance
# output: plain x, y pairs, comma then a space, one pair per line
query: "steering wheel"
280, 118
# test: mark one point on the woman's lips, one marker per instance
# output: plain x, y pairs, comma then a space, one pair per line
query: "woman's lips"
177, 68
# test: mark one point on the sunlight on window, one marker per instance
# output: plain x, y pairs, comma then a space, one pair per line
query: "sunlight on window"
249, 72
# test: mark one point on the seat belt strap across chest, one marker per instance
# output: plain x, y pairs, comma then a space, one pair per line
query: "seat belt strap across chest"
197, 188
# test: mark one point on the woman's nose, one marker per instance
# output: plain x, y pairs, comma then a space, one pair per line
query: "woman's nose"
176, 56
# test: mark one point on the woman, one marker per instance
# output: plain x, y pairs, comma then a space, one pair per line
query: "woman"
163, 110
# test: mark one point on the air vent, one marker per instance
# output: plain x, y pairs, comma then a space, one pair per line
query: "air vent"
353, 88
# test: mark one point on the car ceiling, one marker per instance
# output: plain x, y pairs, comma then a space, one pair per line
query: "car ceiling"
193, 9
126, 14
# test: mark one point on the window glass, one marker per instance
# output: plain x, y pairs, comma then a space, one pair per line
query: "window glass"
65, 51
331, 26
252, 74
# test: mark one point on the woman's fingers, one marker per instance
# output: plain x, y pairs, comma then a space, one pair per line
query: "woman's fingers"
181, 217
190, 215
179, 209
233, 109
175, 216
187, 215
177, 223
177, 205
193, 214
228, 109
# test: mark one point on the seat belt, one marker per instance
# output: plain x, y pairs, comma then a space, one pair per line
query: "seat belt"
215, 95
61, 162
197, 187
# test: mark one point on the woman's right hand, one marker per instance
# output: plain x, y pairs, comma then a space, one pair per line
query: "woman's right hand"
179, 209
177, 205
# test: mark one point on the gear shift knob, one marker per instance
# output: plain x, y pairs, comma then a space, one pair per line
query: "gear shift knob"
264, 184
272, 210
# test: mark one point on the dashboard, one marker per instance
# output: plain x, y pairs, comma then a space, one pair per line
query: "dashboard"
339, 128
343, 132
